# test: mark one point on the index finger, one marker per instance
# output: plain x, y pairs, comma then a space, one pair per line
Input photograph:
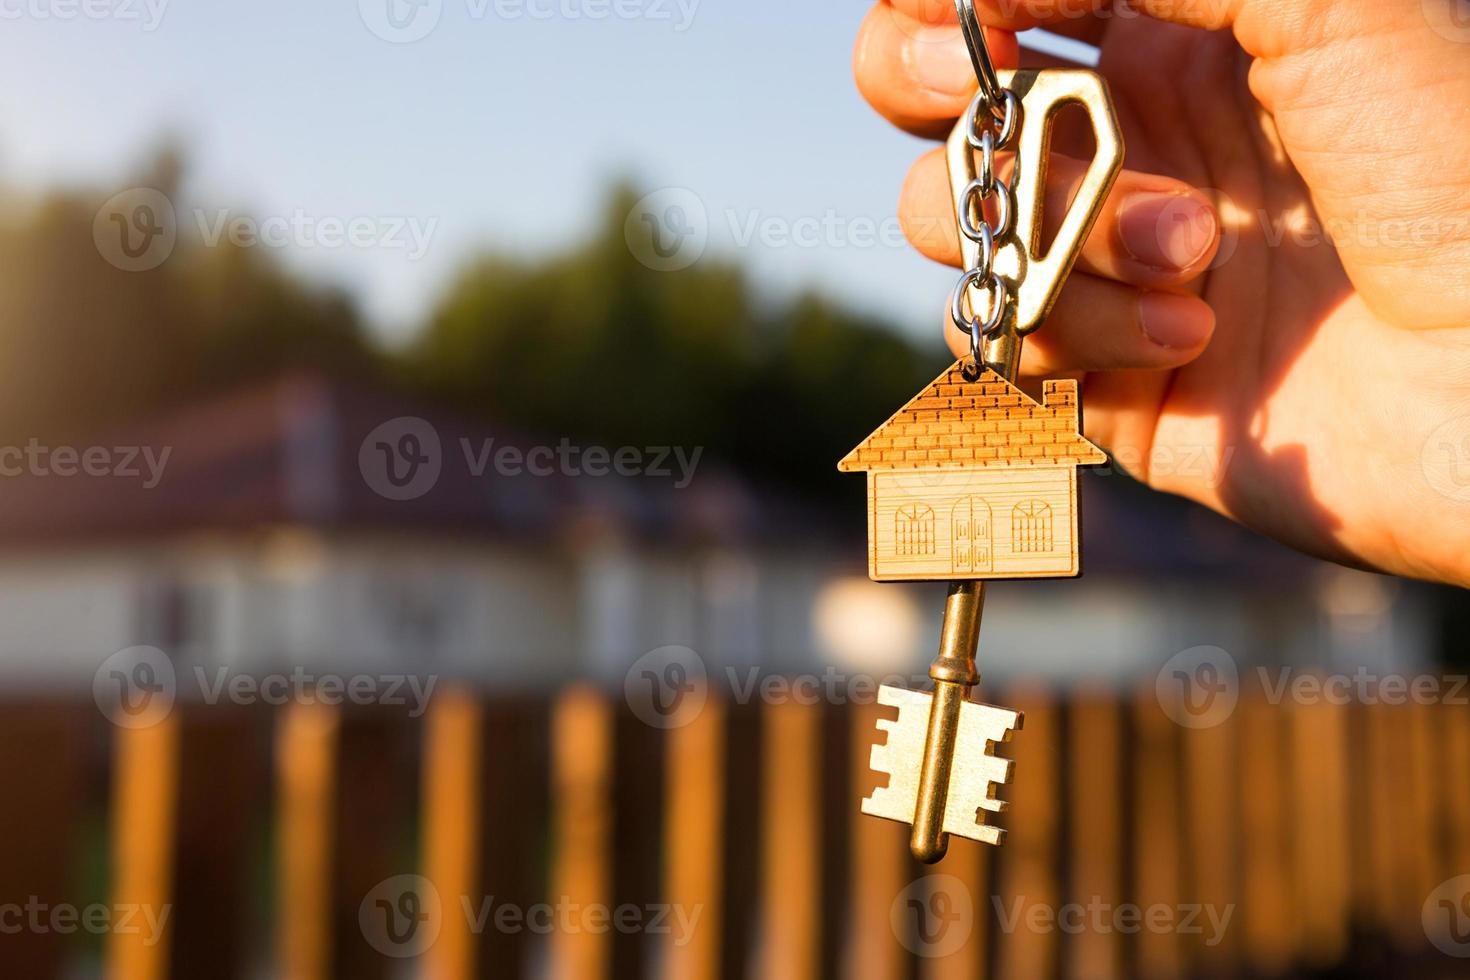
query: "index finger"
919, 76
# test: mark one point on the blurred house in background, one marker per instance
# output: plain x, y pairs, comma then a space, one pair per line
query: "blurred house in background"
270, 542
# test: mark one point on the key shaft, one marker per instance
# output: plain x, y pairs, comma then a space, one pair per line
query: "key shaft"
954, 674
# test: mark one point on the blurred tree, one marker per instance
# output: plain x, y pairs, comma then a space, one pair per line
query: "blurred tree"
590, 344
84, 342
594, 345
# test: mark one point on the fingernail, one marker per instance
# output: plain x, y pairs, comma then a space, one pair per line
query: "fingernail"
1175, 322
940, 61
1167, 231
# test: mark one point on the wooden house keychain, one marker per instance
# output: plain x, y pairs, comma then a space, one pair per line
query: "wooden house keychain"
972, 479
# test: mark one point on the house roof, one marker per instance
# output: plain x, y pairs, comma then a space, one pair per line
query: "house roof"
286, 451
955, 422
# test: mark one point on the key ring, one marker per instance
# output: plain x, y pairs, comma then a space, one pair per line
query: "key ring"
980, 55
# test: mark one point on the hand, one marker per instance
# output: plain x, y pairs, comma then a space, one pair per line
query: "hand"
1298, 355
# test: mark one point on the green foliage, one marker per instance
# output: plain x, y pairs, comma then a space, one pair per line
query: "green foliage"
589, 344
84, 344
595, 346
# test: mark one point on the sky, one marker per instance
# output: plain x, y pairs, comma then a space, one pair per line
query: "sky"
436, 128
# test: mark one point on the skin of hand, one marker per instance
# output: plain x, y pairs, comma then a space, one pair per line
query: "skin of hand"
1272, 315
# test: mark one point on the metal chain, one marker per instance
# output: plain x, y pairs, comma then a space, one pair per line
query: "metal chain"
989, 130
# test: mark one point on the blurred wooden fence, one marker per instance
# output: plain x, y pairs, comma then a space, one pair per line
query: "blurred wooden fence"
276, 840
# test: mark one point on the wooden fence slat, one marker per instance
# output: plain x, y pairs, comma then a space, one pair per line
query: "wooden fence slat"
1425, 859
1454, 722
1212, 823
880, 866
43, 749
1266, 899
835, 820
637, 834
1157, 834
515, 836
1386, 797
965, 875
582, 763
306, 766
1096, 830
1392, 806
223, 773
790, 929
1319, 815
694, 877
1028, 858
452, 821
374, 801
144, 801
744, 838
